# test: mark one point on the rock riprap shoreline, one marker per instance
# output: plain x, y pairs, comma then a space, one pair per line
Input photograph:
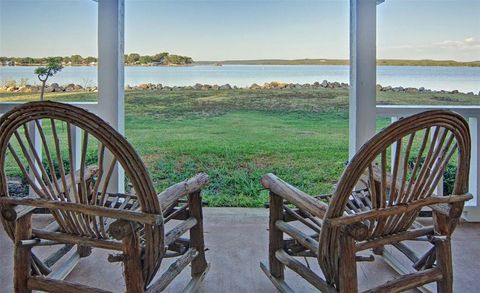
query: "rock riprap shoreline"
55, 87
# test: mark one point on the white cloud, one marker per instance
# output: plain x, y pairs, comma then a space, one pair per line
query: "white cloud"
466, 44
467, 49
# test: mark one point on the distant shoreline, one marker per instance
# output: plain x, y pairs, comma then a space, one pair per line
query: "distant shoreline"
382, 62
85, 65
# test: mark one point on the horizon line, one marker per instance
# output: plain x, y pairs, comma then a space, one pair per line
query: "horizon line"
268, 59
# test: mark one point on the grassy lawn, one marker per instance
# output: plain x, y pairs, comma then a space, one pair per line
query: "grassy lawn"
236, 136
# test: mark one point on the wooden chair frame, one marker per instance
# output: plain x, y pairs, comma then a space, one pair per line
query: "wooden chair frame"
135, 221
380, 213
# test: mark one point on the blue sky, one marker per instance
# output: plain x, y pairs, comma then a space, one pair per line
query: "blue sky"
243, 29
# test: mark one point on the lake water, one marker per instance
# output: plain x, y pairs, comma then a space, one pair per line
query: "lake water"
464, 79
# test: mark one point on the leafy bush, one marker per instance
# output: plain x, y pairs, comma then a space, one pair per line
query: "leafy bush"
449, 179
448, 175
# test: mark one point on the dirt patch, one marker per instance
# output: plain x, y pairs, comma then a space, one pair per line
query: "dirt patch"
262, 162
445, 99
148, 160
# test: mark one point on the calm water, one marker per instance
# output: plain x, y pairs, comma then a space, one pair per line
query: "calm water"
464, 79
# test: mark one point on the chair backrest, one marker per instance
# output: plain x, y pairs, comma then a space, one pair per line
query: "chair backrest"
53, 171
401, 165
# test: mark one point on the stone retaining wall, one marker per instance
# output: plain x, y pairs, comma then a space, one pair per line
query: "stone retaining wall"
55, 87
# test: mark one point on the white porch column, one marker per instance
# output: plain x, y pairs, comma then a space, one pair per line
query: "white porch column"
111, 72
37, 144
363, 76
472, 207
76, 146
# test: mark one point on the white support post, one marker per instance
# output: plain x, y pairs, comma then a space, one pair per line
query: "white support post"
76, 146
394, 151
439, 188
472, 207
363, 31
37, 144
111, 72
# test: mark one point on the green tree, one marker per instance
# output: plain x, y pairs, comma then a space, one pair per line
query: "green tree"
145, 59
89, 60
161, 57
76, 59
133, 58
28, 60
53, 66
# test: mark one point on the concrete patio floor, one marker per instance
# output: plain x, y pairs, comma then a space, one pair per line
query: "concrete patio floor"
237, 240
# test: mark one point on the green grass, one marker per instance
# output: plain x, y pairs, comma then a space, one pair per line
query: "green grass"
236, 136
237, 148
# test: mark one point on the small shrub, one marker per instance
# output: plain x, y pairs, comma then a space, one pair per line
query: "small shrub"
10, 83
448, 175
449, 179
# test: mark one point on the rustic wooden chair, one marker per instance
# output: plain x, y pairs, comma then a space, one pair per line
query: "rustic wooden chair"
86, 214
376, 202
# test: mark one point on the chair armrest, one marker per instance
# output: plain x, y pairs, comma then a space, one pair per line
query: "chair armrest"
88, 173
294, 195
397, 209
448, 210
11, 213
173, 193
326, 196
135, 216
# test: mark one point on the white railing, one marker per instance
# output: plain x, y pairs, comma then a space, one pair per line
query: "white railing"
472, 114
90, 106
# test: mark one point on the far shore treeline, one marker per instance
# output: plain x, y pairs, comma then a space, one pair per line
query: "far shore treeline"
77, 60
167, 59
384, 62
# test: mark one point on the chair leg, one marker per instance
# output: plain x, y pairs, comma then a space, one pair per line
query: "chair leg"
444, 262
275, 237
84, 251
378, 250
347, 265
199, 264
22, 255
132, 261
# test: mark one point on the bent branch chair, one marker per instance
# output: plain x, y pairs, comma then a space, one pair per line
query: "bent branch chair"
376, 202
74, 190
